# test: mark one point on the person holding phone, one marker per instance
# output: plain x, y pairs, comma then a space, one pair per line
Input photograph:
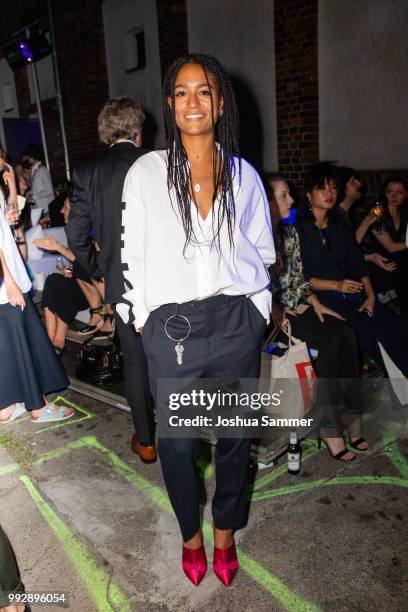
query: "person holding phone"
334, 265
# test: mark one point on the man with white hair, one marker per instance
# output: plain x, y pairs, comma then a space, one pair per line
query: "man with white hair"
97, 203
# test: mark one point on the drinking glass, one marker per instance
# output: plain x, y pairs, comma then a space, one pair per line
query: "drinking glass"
60, 265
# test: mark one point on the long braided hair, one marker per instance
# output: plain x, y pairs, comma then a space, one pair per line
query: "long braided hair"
225, 133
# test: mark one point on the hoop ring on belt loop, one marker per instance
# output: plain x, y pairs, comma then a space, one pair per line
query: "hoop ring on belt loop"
171, 337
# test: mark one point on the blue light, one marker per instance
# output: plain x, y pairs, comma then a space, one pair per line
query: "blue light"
292, 217
25, 51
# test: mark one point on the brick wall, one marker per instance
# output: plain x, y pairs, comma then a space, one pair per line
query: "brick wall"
297, 102
84, 80
83, 73
23, 92
173, 33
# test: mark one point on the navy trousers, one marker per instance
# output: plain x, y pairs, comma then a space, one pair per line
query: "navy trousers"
225, 338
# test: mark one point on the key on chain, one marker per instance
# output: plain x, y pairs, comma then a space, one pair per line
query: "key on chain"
179, 348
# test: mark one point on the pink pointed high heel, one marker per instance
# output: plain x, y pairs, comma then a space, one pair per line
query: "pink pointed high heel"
225, 564
194, 564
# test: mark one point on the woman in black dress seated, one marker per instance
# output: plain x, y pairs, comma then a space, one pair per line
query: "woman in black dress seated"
360, 217
67, 294
388, 237
316, 324
335, 267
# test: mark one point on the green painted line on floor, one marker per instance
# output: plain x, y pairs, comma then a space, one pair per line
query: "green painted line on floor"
280, 470
105, 594
72, 421
275, 587
340, 480
53, 454
8, 469
125, 471
288, 598
291, 601
397, 459
59, 452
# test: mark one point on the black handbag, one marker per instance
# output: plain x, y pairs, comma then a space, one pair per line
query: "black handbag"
101, 363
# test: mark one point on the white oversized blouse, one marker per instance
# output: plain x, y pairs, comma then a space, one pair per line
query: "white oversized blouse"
155, 268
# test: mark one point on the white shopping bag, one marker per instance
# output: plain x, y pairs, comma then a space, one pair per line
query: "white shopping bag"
295, 364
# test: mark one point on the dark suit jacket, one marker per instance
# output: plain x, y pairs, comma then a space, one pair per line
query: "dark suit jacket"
96, 202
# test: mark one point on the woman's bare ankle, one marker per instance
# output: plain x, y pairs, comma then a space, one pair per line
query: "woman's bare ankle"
38, 411
5, 413
195, 542
223, 538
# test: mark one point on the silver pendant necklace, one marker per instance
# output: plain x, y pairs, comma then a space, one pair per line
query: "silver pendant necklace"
197, 186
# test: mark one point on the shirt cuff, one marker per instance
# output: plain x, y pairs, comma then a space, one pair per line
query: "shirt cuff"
263, 301
135, 313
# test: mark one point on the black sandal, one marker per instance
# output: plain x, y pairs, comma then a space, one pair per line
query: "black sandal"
339, 455
106, 335
357, 442
91, 329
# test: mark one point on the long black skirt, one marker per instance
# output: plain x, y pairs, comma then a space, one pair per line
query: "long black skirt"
29, 367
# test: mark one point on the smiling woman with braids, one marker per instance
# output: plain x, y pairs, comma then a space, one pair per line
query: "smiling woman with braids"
196, 246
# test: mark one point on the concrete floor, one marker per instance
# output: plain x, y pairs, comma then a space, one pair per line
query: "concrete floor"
87, 518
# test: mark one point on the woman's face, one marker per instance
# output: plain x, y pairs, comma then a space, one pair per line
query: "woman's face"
353, 188
395, 194
193, 101
326, 197
282, 201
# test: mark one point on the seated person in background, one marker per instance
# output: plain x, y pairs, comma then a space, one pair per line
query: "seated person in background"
65, 295
54, 217
334, 265
388, 235
361, 220
320, 327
